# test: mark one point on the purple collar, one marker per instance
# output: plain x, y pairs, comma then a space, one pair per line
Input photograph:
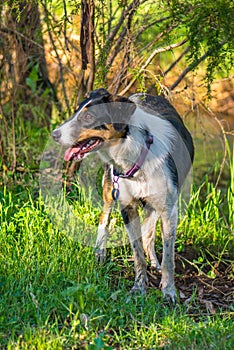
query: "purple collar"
132, 171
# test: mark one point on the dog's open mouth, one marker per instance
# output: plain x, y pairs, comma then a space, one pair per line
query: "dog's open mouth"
79, 150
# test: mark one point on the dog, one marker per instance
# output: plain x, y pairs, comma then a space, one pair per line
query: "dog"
148, 153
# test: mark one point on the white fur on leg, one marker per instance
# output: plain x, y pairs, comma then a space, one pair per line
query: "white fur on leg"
169, 223
148, 238
100, 246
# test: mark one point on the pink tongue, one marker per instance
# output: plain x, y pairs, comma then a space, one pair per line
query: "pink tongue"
69, 153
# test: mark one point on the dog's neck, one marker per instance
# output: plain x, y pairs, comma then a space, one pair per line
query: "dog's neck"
125, 152
139, 163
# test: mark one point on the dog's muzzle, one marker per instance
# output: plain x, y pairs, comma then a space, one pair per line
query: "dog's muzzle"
56, 134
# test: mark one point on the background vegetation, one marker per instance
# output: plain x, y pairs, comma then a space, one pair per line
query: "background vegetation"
52, 53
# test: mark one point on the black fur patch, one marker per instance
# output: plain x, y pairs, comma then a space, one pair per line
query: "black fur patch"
126, 214
101, 127
173, 170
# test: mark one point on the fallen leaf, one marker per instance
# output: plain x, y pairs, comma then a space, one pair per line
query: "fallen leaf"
209, 306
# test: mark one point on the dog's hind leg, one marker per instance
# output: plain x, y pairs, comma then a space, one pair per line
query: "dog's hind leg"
132, 223
100, 245
148, 237
169, 223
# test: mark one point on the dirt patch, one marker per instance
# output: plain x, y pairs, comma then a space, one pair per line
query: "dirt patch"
204, 287
195, 286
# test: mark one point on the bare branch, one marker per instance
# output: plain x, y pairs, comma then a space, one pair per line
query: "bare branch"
57, 56
117, 47
187, 70
91, 47
65, 25
12, 31
191, 67
125, 13
133, 6
176, 61
156, 39
149, 25
148, 61
125, 33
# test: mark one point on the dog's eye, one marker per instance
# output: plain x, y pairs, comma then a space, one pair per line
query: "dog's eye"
88, 118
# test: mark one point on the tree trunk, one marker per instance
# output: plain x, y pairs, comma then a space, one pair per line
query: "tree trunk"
23, 41
87, 43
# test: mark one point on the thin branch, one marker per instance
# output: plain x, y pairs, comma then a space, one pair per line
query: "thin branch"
65, 25
57, 56
148, 61
117, 47
187, 70
12, 31
91, 46
47, 81
156, 39
134, 58
122, 71
133, 6
125, 30
149, 25
191, 67
125, 13
176, 62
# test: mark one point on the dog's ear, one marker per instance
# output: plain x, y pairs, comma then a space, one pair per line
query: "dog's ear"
94, 97
99, 93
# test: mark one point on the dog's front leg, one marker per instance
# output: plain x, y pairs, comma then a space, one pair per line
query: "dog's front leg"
132, 224
169, 223
100, 246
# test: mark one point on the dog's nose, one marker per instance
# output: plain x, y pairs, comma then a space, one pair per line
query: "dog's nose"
56, 134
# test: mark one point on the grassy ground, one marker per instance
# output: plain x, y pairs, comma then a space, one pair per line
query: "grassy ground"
55, 296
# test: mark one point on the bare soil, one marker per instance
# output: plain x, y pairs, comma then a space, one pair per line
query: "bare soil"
196, 288
200, 293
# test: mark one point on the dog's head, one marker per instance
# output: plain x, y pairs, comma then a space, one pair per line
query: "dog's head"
101, 118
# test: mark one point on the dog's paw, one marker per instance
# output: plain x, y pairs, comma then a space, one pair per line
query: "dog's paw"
100, 255
140, 284
138, 289
169, 293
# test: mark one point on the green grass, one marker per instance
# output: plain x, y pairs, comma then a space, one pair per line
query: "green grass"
55, 296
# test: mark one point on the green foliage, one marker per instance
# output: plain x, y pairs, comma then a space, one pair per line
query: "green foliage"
230, 192
209, 27
32, 79
209, 214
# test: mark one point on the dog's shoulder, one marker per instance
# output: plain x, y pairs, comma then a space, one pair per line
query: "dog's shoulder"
158, 106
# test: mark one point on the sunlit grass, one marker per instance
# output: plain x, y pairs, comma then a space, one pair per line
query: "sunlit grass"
54, 295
